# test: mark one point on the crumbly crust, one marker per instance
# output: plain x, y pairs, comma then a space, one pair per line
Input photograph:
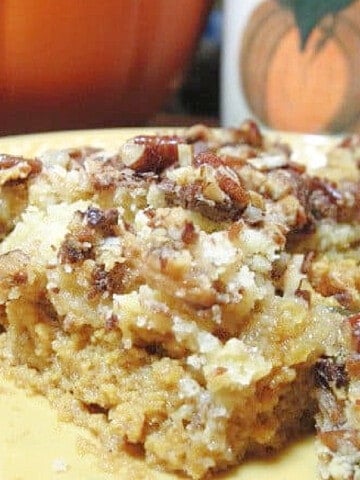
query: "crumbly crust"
186, 293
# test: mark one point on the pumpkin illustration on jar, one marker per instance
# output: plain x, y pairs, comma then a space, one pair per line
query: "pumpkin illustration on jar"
300, 64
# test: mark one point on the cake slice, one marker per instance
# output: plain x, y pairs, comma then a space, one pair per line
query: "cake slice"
195, 296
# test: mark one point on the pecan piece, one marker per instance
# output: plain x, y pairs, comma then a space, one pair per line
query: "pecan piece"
207, 158
78, 155
249, 133
16, 170
200, 133
151, 153
103, 220
328, 372
116, 280
189, 235
74, 250
9, 161
238, 194
226, 178
191, 197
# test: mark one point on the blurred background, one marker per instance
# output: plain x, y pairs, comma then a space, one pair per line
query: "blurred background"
292, 65
198, 96
70, 64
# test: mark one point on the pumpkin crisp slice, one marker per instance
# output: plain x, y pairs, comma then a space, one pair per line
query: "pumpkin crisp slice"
195, 297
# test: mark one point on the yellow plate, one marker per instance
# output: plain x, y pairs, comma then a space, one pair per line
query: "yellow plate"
34, 444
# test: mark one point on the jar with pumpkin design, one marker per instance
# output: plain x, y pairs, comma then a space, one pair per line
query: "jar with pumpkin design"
292, 64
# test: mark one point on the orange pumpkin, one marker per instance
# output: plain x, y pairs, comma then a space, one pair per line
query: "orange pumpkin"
314, 90
91, 63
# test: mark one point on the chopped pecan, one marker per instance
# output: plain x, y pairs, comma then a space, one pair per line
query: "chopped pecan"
119, 278
188, 234
248, 133
327, 200
199, 133
151, 153
191, 197
94, 408
305, 294
81, 153
235, 230
207, 158
226, 178
104, 221
296, 167
322, 200
16, 170
72, 250
222, 334
46, 310
238, 194
115, 280
99, 281
9, 161
104, 175
329, 373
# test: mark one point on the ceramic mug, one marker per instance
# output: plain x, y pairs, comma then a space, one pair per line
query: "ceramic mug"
292, 66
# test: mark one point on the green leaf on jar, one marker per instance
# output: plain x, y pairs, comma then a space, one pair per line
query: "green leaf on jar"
309, 13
